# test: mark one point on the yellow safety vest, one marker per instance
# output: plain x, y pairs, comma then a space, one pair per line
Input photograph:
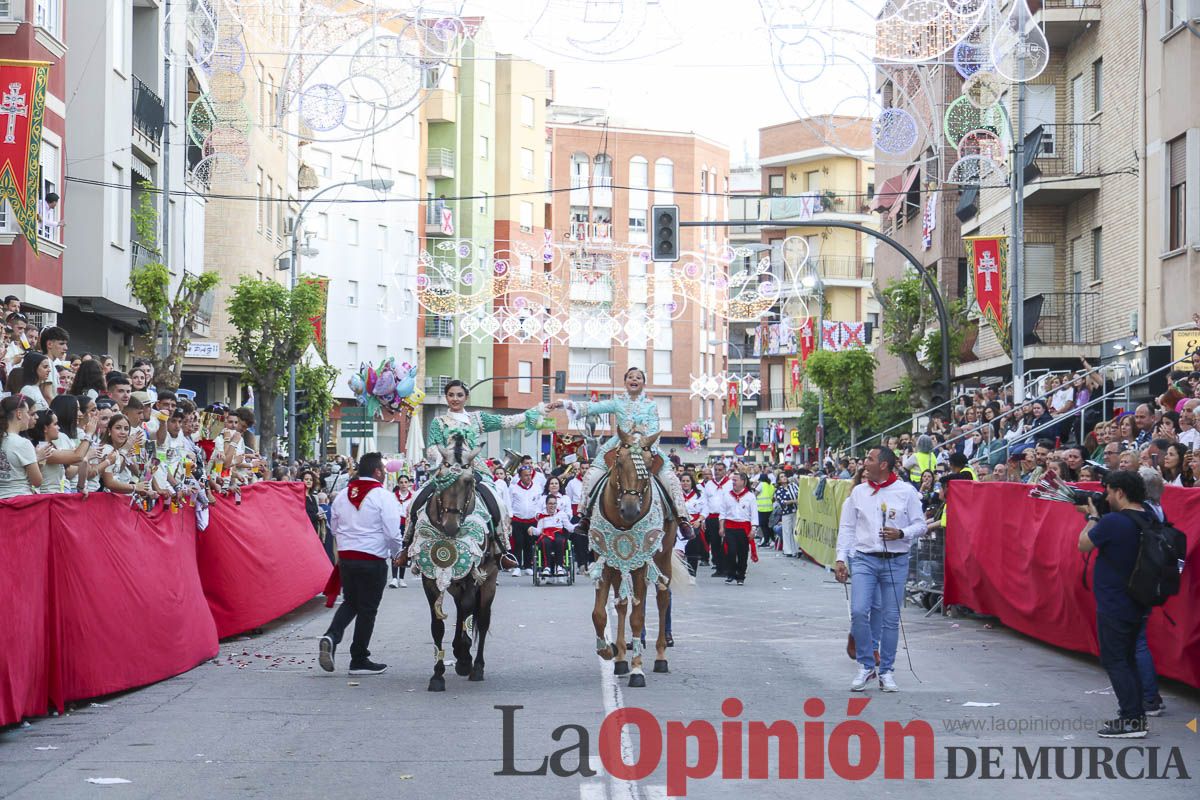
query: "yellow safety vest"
925, 461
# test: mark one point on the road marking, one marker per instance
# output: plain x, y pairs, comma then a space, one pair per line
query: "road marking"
593, 790
610, 690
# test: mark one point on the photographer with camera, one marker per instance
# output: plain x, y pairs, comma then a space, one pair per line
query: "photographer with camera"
1120, 620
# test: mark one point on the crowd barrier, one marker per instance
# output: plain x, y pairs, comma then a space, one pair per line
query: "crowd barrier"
1017, 558
98, 597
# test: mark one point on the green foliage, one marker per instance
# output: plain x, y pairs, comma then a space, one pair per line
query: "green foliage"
145, 217
274, 328
848, 380
912, 333
318, 382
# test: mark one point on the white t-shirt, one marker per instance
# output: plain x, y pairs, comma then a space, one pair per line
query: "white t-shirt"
54, 476
16, 453
35, 394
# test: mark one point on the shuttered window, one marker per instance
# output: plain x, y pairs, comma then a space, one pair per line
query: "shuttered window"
1039, 269
1177, 193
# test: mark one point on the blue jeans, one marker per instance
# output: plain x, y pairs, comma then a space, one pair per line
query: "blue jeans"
876, 579
1145, 667
1118, 645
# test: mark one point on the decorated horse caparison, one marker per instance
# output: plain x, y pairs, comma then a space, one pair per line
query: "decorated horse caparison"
450, 546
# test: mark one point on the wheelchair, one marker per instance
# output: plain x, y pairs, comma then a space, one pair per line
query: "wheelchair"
568, 567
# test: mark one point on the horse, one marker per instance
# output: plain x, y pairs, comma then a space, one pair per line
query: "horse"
633, 527
451, 551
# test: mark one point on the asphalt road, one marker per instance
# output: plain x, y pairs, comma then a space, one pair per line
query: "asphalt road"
262, 720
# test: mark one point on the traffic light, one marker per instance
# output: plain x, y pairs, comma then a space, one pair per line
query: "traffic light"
939, 393
301, 406
666, 232
560, 382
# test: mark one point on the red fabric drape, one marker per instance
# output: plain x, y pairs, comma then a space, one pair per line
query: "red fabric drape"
1016, 557
24, 624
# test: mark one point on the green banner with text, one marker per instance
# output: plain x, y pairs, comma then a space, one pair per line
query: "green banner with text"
817, 520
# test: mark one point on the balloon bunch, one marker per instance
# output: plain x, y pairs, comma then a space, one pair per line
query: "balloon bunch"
390, 385
694, 432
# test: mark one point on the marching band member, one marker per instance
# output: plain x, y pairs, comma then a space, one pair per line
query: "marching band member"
715, 490
739, 516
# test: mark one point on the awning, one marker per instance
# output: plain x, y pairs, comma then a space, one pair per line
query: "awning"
910, 178
885, 195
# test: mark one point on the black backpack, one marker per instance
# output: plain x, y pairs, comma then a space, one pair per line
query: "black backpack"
1161, 551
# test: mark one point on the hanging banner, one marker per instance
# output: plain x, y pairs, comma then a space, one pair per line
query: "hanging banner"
22, 108
838, 336
808, 341
733, 395
318, 322
988, 257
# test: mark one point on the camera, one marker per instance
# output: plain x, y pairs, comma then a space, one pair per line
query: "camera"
1080, 497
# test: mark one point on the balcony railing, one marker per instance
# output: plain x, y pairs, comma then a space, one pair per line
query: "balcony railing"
591, 232
601, 374
1068, 318
834, 268
439, 327
140, 255
434, 221
148, 111
440, 163
1067, 150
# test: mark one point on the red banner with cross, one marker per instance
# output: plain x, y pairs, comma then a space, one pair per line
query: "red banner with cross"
22, 109
988, 256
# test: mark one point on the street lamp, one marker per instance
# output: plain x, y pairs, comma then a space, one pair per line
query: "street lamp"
375, 184
813, 285
741, 407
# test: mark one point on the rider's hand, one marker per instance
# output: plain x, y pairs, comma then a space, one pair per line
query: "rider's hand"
840, 572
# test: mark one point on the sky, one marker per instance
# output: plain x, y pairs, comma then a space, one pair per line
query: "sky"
718, 80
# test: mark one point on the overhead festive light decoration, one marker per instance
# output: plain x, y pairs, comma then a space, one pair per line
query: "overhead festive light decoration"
711, 387
1019, 49
604, 30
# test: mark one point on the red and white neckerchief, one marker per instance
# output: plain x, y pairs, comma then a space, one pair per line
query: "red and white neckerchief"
875, 487
721, 483
690, 495
740, 495
524, 485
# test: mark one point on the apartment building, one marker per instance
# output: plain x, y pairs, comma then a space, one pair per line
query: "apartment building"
131, 143
746, 202
808, 183
615, 174
35, 30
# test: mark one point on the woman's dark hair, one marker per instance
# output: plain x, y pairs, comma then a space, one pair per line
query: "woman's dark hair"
16, 379
37, 434
634, 369
932, 477
1181, 450
8, 411
29, 367
316, 487
454, 383
106, 437
546, 488
89, 376
85, 405
66, 408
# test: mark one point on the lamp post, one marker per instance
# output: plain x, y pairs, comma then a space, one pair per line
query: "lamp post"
741, 405
379, 185
816, 287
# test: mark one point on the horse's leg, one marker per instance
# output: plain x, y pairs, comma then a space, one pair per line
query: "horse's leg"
483, 619
604, 648
664, 559
437, 627
637, 626
465, 593
621, 667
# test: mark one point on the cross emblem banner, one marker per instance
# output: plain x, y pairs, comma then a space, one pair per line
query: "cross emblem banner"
22, 108
987, 256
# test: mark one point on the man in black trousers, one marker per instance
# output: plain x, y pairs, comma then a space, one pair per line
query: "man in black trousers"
366, 523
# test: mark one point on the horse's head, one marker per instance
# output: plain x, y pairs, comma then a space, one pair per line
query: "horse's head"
453, 499
630, 475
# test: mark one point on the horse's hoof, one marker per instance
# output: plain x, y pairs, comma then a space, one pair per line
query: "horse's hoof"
476, 673
637, 681
660, 665
437, 684
621, 668
463, 668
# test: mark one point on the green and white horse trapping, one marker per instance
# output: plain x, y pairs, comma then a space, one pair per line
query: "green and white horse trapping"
627, 550
444, 558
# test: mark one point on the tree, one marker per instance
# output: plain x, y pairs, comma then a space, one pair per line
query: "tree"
169, 314
316, 382
274, 328
912, 335
847, 378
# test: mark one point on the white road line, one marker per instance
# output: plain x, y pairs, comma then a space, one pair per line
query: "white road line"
613, 699
592, 790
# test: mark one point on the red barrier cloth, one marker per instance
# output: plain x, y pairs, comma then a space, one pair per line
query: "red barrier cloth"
261, 559
1017, 558
127, 608
24, 591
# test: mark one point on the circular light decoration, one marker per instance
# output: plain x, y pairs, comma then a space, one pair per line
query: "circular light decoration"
228, 56
229, 141
895, 131
983, 143
500, 266
976, 170
971, 55
226, 87
962, 117
322, 107
984, 89
1019, 49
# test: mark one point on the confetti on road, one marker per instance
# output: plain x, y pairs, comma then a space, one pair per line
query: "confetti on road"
47, 747
107, 781
973, 704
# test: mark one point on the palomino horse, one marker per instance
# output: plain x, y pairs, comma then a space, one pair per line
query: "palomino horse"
450, 550
634, 537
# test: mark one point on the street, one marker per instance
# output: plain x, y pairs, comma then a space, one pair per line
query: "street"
262, 720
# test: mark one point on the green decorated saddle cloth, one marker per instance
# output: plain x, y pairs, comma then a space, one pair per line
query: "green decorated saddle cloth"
627, 550
443, 558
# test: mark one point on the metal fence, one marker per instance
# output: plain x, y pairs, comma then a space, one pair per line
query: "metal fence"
1068, 318
148, 111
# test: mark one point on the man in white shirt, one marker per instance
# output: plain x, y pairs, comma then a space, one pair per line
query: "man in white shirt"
880, 521
715, 490
739, 515
527, 502
574, 489
1188, 434
366, 524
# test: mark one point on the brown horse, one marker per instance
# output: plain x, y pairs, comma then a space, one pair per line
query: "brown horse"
628, 495
473, 594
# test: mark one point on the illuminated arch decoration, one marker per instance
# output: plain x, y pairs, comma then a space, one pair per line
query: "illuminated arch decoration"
604, 30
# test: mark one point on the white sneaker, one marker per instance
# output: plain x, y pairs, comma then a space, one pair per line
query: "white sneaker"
403, 584
887, 683
864, 677
394, 583
528, 571
691, 580
545, 572
516, 572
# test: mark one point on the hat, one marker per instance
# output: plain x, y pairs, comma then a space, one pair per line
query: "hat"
141, 397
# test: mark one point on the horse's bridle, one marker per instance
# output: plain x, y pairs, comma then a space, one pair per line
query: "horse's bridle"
639, 465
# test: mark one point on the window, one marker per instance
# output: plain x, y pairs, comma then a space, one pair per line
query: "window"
639, 172
322, 226
528, 110
381, 290
1177, 193
637, 358
527, 163
1097, 83
664, 174
1097, 254
118, 34
775, 185
1041, 107
812, 181
603, 173
526, 216
637, 220
352, 167
481, 369
352, 293
484, 146
662, 367
5, 8
352, 350
352, 231
118, 193
47, 14
50, 161
322, 162
268, 212
524, 377
485, 93
381, 237
262, 206
664, 412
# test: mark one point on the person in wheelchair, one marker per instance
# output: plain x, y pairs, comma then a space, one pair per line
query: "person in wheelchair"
553, 526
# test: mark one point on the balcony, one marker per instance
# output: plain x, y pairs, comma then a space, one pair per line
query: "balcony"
591, 232
441, 105
1067, 318
439, 332
602, 193
440, 163
1068, 158
140, 255
795, 211
435, 389
579, 191
148, 113
436, 219
1063, 20
601, 374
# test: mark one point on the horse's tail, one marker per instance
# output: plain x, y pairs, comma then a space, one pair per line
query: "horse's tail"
680, 585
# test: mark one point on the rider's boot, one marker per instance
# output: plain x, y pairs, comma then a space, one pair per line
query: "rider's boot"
507, 560
686, 531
